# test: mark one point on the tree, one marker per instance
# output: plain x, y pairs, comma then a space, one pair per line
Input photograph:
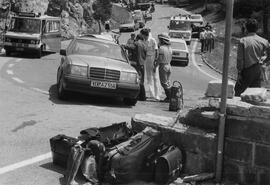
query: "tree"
102, 11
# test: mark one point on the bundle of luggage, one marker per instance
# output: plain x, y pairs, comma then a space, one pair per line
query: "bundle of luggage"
117, 155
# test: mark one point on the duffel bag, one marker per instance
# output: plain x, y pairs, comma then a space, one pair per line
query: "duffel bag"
110, 135
126, 159
61, 146
149, 163
168, 166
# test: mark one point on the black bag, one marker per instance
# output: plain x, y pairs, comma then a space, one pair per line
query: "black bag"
149, 164
61, 146
176, 100
109, 136
168, 166
126, 160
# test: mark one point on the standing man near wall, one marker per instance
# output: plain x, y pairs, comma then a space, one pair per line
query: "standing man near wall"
251, 49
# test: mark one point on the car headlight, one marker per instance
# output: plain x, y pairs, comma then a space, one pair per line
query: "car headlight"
7, 39
129, 77
77, 70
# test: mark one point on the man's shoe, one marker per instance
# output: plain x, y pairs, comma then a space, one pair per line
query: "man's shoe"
166, 100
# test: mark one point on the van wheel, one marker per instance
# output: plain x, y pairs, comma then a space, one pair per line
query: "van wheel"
7, 53
40, 52
61, 92
130, 101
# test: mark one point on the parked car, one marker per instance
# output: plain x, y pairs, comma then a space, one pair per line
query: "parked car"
97, 66
132, 26
196, 18
180, 53
139, 17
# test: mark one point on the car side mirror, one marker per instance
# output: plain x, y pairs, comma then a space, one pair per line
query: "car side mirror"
63, 52
168, 27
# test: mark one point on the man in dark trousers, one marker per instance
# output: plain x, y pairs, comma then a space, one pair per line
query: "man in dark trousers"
251, 50
141, 56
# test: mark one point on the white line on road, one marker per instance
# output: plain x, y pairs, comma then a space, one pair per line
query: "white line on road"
39, 90
18, 60
18, 80
10, 65
10, 72
195, 64
24, 163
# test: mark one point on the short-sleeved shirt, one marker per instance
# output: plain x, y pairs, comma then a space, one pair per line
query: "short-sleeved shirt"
251, 49
164, 54
202, 35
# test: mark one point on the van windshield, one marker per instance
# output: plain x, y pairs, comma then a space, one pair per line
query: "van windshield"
179, 25
25, 25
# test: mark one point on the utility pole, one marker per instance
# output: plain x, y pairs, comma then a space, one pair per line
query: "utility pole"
222, 114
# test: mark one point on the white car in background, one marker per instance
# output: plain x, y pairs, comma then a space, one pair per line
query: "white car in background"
180, 53
197, 19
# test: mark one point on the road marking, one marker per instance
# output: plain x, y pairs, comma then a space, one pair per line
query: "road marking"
195, 64
40, 90
18, 60
24, 163
10, 72
18, 80
10, 65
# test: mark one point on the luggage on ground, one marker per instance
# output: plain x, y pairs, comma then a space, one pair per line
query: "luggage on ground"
74, 161
168, 166
149, 163
89, 168
60, 147
109, 136
126, 159
176, 100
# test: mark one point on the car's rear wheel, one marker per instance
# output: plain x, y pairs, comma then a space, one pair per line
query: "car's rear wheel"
7, 52
130, 101
40, 52
61, 92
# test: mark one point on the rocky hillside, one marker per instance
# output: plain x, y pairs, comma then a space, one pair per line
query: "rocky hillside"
76, 14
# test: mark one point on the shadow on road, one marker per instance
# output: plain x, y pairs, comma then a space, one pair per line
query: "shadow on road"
84, 99
28, 54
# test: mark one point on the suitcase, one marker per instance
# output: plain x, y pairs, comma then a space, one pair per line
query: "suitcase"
109, 136
168, 166
126, 159
176, 100
61, 146
149, 164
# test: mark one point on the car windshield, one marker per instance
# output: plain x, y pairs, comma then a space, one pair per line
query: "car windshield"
26, 25
195, 17
179, 25
178, 45
178, 34
99, 49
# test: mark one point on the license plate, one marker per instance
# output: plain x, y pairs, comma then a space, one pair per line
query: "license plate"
19, 49
106, 85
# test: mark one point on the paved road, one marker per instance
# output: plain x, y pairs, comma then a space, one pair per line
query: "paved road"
31, 114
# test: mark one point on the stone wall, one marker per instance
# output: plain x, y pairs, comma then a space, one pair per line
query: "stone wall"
247, 139
198, 147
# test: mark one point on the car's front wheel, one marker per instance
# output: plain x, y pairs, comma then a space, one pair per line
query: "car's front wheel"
61, 92
130, 101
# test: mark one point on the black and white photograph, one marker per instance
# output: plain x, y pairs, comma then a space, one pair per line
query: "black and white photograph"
135, 92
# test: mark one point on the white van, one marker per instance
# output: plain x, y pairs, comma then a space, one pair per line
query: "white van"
33, 32
180, 27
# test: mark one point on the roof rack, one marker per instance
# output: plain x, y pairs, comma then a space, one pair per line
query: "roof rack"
28, 14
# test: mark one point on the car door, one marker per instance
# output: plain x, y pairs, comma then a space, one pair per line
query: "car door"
51, 37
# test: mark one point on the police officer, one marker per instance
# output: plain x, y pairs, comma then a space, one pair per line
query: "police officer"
163, 61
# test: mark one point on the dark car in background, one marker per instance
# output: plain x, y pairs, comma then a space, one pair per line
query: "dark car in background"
97, 66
